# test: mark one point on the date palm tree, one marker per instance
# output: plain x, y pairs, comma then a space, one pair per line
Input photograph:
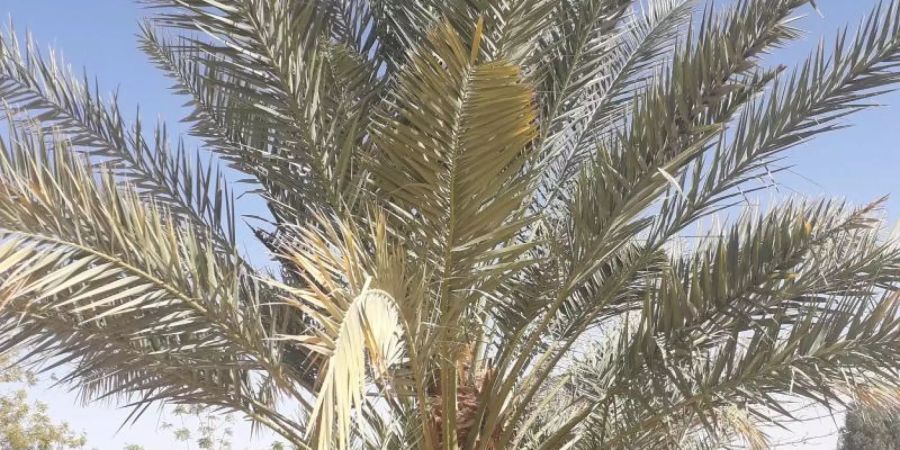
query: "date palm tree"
473, 221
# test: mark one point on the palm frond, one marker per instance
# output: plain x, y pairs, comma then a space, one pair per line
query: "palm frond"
595, 49
614, 281
452, 169
235, 119
267, 76
811, 101
710, 78
362, 328
130, 320
48, 95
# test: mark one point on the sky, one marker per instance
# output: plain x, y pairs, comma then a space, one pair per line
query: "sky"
859, 163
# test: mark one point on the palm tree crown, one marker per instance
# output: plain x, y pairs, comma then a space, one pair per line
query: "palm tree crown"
474, 210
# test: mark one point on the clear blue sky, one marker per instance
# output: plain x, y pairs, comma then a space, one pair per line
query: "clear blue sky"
860, 163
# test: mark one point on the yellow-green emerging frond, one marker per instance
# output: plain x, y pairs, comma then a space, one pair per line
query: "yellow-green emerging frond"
452, 163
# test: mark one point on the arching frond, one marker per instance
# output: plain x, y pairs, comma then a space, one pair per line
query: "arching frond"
141, 306
43, 92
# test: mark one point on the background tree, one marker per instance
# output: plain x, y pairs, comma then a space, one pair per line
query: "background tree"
473, 211
25, 425
867, 428
201, 428
214, 432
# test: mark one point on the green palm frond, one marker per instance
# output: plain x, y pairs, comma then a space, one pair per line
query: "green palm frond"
235, 118
810, 101
266, 80
97, 277
710, 77
799, 264
42, 91
589, 65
